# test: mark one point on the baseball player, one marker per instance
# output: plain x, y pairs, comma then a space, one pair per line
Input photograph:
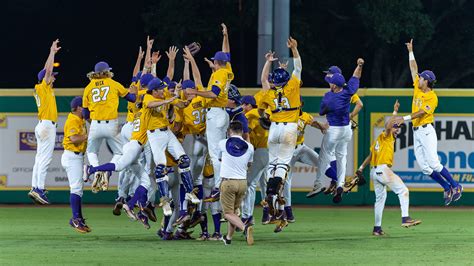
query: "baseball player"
45, 130
131, 154
335, 105
100, 103
284, 102
217, 119
358, 104
423, 106
381, 161
72, 160
258, 138
161, 139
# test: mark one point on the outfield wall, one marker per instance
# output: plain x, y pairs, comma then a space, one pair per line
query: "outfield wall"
454, 124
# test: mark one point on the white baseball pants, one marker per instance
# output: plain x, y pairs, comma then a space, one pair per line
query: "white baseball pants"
217, 122
281, 146
160, 141
45, 133
74, 165
383, 177
97, 133
426, 149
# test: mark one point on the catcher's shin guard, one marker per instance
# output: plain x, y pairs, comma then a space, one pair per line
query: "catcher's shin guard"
184, 164
274, 186
162, 180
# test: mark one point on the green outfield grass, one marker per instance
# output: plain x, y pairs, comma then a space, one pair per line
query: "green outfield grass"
39, 235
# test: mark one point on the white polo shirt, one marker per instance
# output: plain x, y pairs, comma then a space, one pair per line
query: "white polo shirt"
234, 166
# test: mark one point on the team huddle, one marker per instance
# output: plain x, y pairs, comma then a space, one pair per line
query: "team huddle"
236, 143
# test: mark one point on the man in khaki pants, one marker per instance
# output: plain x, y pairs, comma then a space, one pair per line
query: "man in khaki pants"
236, 156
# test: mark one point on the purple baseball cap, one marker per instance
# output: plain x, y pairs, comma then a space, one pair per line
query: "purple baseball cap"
188, 84
428, 75
220, 56
102, 66
145, 79
76, 102
42, 73
172, 84
333, 70
156, 84
249, 99
337, 79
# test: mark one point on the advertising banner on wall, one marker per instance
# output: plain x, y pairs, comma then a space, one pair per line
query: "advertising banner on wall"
455, 150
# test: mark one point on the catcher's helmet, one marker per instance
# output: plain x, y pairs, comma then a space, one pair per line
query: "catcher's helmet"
234, 94
280, 77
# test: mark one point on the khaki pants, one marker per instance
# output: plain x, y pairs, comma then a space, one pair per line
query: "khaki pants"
232, 194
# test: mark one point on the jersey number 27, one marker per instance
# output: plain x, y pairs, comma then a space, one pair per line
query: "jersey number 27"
100, 94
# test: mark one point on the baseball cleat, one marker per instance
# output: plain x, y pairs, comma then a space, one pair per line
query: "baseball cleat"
409, 222
86, 173
457, 192
216, 236
130, 213
248, 232
40, 196
331, 188
282, 224
144, 219
226, 241
338, 195
448, 197
167, 211
378, 231
117, 211
32, 196
78, 225
149, 211
104, 182
272, 204
182, 218
167, 236
192, 197
317, 188
182, 235
215, 195
160, 232
203, 236
95, 186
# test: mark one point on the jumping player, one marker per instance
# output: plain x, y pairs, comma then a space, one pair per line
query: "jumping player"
45, 130
423, 106
284, 102
72, 160
381, 161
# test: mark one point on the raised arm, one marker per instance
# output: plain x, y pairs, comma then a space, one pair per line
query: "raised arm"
266, 69
298, 67
136, 69
196, 73
155, 57
225, 39
147, 65
48, 66
186, 75
411, 60
171, 53
358, 70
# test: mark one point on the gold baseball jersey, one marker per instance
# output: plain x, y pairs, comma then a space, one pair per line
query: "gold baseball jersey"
194, 117
74, 126
382, 150
132, 107
305, 119
46, 101
139, 127
157, 116
101, 96
258, 135
355, 98
426, 101
285, 102
220, 78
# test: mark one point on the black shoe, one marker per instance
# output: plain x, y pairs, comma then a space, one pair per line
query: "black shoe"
226, 241
117, 211
338, 196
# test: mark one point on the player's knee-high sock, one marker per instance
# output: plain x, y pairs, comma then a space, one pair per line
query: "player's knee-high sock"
333, 170
445, 173
75, 202
185, 172
379, 206
437, 177
104, 168
166, 221
217, 222
204, 223
139, 194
